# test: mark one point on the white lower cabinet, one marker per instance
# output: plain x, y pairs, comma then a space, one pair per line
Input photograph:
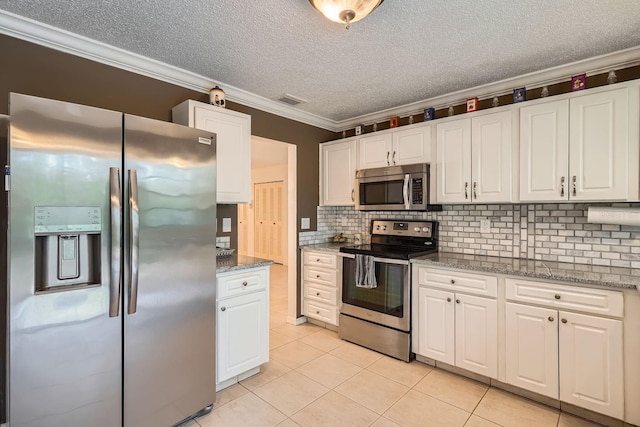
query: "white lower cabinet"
574, 357
321, 286
242, 341
454, 327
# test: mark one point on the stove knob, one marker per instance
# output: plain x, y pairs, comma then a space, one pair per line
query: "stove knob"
417, 229
425, 229
377, 227
384, 227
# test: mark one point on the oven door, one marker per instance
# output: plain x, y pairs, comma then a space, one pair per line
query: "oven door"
388, 303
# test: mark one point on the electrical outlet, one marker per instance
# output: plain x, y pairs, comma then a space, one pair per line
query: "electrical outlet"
344, 221
305, 223
485, 226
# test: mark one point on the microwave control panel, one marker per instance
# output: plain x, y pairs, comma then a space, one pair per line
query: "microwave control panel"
417, 194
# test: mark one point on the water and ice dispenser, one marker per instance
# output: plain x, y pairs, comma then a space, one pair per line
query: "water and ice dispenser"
67, 247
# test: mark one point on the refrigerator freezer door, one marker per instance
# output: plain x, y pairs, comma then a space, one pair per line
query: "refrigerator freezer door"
64, 350
169, 355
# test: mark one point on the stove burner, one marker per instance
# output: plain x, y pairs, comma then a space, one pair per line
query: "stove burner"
389, 240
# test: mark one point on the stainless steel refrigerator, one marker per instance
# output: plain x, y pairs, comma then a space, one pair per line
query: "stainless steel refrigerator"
111, 282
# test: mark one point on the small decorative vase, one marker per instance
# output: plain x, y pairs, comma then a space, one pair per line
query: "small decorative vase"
216, 97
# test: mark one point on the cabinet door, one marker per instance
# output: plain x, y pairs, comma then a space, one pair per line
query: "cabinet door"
233, 151
338, 173
532, 348
476, 334
436, 325
454, 161
544, 151
243, 334
598, 146
374, 151
591, 370
411, 146
491, 151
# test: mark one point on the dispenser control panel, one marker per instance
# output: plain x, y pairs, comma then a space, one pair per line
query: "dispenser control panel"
67, 219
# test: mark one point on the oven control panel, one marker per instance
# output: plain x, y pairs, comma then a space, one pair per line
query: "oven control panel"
403, 228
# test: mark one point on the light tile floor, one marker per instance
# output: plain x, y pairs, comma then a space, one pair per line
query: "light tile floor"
315, 379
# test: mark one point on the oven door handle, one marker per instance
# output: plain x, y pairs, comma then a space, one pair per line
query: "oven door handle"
376, 259
405, 191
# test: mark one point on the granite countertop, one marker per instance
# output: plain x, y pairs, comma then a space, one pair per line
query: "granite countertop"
239, 262
326, 247
618, 277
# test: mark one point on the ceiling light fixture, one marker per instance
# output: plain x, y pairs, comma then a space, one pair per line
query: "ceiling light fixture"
345, 11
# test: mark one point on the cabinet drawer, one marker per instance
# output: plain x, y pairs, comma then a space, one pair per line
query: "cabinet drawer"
320, 293
241, 283
320, 259
589, 300
320, 275
477, 284
320, 311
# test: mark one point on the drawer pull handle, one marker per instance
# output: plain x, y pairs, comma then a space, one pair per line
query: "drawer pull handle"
564, 320
556, 296
448, 299
223, 308
457, 301
244, 283
551, 319
453, 282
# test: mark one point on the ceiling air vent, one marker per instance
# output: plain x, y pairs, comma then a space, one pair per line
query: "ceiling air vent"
290, 99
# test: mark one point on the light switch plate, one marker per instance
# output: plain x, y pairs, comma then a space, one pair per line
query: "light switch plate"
226, 225
485, 226
306, 223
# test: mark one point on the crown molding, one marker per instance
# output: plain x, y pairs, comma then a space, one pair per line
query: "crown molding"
65, 41
55, 38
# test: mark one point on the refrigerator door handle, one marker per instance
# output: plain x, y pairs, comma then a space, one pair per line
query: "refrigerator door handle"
134, 240
116, 231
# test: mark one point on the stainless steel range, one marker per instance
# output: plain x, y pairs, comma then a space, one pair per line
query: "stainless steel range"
376, 285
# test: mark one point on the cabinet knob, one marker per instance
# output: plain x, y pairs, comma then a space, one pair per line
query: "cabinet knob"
556, 296
317, 276
317, 311
453, 282
457, 301
564, 320
244, 283
318, 260
317, 294
223, 308
551, 319
448, 299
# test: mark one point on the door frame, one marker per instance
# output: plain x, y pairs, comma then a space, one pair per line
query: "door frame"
292, 231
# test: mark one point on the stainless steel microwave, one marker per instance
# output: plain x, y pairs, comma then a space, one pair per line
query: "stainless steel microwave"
394, 188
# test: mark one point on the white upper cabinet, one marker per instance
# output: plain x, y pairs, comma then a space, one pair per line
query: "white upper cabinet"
544, 149
581, 148
233, 146
402, 147
598, 146
475, 159
338, 173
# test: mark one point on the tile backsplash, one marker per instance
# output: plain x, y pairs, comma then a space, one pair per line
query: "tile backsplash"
549, 232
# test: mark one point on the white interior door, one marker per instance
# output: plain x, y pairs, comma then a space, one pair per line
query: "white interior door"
270, 230
245, 229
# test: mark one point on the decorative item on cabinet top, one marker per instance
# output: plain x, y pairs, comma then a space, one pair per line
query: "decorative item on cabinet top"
519, 95
578, 82
216, 97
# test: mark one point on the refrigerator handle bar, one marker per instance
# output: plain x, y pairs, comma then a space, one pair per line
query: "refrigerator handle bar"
134, 240
116, 231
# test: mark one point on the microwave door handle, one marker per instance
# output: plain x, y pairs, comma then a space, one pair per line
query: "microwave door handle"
405, 191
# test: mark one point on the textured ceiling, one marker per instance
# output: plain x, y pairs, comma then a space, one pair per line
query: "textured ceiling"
405, 51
